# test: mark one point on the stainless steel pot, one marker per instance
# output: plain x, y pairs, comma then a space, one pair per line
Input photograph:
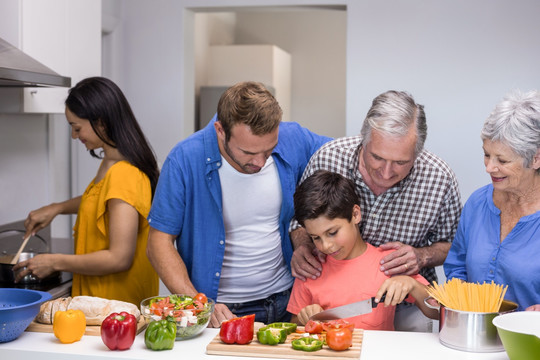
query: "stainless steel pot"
470, 331
7, 275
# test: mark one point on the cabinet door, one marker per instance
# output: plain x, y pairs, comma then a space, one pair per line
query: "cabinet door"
64, 35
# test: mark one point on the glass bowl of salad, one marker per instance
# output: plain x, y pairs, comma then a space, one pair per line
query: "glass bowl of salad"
191, 313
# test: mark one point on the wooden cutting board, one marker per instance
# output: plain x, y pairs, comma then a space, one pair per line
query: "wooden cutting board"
90, 329
285, 350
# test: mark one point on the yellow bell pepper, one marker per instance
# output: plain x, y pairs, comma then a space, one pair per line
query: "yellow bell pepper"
69, 326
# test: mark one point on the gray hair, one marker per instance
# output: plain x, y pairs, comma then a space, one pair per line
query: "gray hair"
515, 121
394, 113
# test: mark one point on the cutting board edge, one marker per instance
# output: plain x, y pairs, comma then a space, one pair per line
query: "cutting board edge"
304, 355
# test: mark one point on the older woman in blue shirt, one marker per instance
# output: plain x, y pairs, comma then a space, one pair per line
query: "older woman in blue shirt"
498, 237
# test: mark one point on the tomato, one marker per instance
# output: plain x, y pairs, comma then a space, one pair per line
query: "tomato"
337, 324
313, 327
339, 339
201, 297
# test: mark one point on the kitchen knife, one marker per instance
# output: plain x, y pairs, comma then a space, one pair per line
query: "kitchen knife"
349, 310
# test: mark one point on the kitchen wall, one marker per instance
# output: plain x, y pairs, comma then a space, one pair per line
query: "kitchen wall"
39, 161
457, 58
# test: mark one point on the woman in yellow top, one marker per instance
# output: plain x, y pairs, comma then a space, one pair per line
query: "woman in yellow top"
111, 230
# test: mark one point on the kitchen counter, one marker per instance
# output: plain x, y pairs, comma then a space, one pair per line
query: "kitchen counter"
377, 345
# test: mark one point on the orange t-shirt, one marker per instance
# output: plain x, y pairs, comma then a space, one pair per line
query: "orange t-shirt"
346, 281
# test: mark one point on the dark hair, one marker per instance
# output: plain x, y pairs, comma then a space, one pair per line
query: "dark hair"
325, 194
249, 103
101, 102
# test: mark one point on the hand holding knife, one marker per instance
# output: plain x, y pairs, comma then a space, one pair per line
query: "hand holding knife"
349, 310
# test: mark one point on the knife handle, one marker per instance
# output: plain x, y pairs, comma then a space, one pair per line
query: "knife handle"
374, 304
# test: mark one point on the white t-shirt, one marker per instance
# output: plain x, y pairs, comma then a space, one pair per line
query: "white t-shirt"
253, 265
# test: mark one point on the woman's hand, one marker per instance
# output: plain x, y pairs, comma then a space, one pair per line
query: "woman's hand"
533, 308
40, 218
40, 266
307, 312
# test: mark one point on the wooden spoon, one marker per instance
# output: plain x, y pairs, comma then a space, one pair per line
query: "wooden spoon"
18, 254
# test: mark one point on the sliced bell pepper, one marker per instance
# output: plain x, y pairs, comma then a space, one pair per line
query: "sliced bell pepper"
238, 330
160, 335
118, 330
289, 327
269, 335
307, 344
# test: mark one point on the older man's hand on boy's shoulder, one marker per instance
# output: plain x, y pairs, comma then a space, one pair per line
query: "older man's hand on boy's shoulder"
403, 261
306, 259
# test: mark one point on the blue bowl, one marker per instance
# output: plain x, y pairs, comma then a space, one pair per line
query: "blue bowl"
18, 307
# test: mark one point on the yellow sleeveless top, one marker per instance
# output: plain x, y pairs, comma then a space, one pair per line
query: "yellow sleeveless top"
91, 233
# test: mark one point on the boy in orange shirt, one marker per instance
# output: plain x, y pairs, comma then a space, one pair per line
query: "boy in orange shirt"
327, 205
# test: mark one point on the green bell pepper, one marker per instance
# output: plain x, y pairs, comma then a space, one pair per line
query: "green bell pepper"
307, 344
160, 335
271, 335
289, 327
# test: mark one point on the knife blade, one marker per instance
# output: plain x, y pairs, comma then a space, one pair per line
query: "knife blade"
349, 310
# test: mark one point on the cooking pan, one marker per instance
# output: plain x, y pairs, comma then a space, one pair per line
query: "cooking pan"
7, 275
10, 242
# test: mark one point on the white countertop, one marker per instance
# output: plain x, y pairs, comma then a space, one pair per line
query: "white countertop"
377, 345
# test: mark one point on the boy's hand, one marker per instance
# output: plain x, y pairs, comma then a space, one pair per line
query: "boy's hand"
396, 288
307, 312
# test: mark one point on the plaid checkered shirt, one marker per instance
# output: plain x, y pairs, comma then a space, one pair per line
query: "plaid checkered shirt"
420, 210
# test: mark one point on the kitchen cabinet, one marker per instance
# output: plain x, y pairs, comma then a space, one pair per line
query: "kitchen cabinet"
63, 35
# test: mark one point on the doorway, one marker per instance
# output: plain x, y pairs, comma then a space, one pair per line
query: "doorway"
315, 38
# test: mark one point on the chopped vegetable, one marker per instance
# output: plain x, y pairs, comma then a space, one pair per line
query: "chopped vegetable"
160, 335
339, 338
289, 327
238, 330
337, 324
307, 344
314, 327
190, 313
269, 335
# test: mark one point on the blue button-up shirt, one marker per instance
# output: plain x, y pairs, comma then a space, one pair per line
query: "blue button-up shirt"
478, 255
187, 202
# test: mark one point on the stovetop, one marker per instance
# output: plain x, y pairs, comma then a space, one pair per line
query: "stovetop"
59, 286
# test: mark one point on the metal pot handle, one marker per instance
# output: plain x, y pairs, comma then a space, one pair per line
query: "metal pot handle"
438, 308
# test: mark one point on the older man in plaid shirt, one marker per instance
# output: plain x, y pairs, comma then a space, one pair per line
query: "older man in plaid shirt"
409, 197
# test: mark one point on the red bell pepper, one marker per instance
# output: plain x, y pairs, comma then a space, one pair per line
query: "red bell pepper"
118, 330
238, 330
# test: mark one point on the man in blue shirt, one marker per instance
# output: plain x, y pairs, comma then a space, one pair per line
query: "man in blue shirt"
225, 199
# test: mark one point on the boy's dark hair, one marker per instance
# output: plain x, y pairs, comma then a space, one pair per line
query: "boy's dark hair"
325, 193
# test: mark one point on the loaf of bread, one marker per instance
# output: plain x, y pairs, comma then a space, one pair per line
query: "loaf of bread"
94, 308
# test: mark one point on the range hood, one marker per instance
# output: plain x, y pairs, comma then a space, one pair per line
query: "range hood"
20, 70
